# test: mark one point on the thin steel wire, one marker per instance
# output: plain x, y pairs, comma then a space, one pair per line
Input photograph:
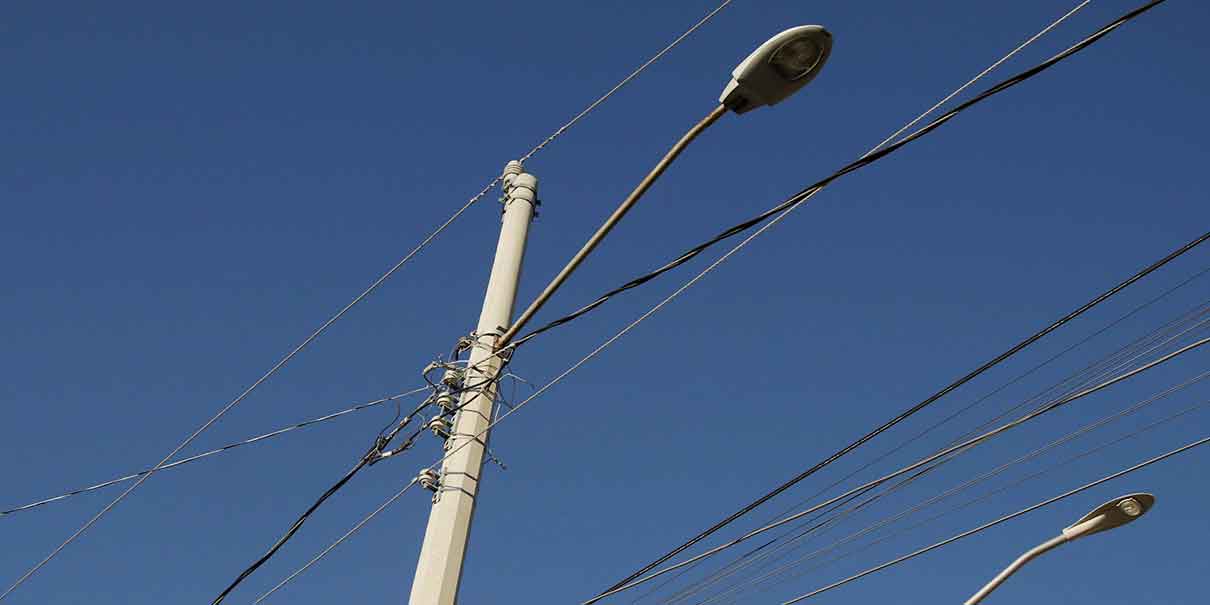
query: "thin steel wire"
912, 467
634, 74
1006, 518
782, 210
338, 541
970, 483
219, 450
1082, 378
374, 286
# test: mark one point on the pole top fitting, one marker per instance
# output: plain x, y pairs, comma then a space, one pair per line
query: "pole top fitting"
511, 170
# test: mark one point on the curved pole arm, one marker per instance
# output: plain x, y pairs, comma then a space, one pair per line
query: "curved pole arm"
609, 224
1071, 533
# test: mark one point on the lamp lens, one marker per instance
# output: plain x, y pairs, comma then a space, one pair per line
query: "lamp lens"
796, 58
1131, 507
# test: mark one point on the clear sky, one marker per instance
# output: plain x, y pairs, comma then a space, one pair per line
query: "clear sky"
190, 189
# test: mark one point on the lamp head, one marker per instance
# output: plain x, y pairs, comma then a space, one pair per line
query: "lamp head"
778, 68
1119, 511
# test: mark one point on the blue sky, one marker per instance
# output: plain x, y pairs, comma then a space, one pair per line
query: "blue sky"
190, 190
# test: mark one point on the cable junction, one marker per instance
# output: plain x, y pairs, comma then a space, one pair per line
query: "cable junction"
358, 299
864, 161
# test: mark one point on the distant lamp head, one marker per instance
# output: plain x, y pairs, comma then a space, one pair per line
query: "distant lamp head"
778, 68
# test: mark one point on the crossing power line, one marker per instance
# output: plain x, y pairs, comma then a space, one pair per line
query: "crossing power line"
218, 450
910, 468
357, 300
779, 211
1082, 379
965, 485
1004, 519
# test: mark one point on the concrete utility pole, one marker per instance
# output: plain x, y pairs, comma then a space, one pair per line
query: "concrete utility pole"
439, 571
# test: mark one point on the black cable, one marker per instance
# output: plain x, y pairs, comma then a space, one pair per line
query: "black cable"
861, 162
375, 454
298, 523
916, 408
1004, 85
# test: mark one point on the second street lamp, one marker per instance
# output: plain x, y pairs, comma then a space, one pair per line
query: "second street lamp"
775, 70
1116, 512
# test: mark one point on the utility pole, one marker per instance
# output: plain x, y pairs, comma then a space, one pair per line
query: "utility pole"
439, 570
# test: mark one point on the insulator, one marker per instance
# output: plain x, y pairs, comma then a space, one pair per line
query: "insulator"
452, 378
440, 426
428, 479
445, 401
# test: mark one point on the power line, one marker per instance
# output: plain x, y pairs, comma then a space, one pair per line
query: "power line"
375, 454
810, 191
782, 209
625, 81
610, 222
1104, 421
813, 525
980, 75
1002, 489
1013, 484
912, 467
338, 541
798, 199
1003, 519
339, 314
855, 492
218, 450
1088, 371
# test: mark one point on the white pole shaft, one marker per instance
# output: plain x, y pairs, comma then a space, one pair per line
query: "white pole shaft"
439, 570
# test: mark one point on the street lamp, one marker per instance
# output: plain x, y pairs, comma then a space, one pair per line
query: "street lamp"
1119, 511
778, 68
775, 70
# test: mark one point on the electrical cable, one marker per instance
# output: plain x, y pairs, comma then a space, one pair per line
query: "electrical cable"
371, 456
912, 467
625, 81
1102, 422
805, 194
375, 454
610, 222
794, 201
1003, 519
338, 541
373, 287
853, 493
814, 526
731, 568
1011, 485
218, 450
380, 455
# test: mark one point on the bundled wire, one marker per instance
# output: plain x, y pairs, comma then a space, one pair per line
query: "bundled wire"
968, 484
218, 450
794, 200
853, 166
1050, 407
1085, 377
371, 456
1004, 519
377, 452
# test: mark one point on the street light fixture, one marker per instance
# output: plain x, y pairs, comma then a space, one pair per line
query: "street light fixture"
1116, 512
778, 68
775, 70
